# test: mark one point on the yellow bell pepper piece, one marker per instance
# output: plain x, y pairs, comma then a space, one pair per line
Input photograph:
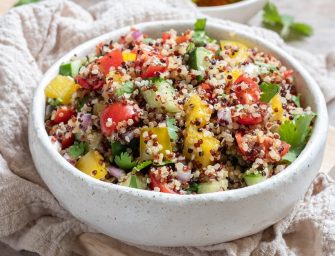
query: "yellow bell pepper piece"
92, 164
200, 153
116, 77
237, 57
128, 56
162, 137
235, 73
61, 87
277, 108
197, 111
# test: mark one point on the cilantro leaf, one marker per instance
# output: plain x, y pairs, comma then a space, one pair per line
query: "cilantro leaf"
78, 149
142, 165
268, 91
172, 128
193, 188
200, 25
118, 148
296, 132
126, 88
124, 161
296, 100
284, 24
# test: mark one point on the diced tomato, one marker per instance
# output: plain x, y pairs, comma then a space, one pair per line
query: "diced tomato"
117, 112
111, 59
153, 71
249, 95
265, 146
156, 183
165, 36
288, 73
68, 140
92, 82
206, 87
181, 39
248, 119
63, 114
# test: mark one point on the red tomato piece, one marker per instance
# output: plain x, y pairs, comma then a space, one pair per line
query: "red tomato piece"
288, 73
63, 114
117, 112
111, 59
68, 140
153, 71
156, 183
206, 87
165, 36
181, 39
248, 119
249, 95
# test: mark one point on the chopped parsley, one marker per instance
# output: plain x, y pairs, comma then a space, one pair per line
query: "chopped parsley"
142, 165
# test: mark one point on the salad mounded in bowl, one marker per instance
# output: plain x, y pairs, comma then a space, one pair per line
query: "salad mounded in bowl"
182, 113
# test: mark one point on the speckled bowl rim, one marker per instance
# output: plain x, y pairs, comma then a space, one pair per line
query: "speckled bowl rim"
319, 130
229, 7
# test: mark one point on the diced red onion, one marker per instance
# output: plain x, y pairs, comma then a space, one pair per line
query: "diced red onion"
86, 121
136, 34
224, 115
184, 175
116, 172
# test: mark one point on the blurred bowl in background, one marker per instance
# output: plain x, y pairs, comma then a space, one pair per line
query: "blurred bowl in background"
241, 11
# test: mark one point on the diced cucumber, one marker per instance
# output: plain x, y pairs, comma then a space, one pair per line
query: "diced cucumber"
70, 68
135, 181
253, 178
212, 186
198, 57
161, 96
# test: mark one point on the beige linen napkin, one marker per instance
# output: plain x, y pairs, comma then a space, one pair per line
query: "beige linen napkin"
31, 39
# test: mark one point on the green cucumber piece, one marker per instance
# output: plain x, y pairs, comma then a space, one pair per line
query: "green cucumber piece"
197, 58
163, 97
135, 181
253, 178
211, 186
70, 68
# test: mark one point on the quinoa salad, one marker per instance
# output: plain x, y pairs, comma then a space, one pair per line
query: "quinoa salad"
182, 113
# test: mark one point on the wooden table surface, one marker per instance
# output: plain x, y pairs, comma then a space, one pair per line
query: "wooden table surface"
320, 15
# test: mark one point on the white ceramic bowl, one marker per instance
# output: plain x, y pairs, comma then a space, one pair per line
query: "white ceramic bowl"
153, 218
239, 12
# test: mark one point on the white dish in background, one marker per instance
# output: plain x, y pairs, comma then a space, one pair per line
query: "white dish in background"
241, 11
153, 218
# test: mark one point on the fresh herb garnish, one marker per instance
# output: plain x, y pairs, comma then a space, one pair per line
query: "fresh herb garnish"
200, 25
172, 128
296, 100
126, 88
124, 161
268, 91
23, 2
118, 148
296, 132
193, 188
78, 149
142, 165
284, 24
